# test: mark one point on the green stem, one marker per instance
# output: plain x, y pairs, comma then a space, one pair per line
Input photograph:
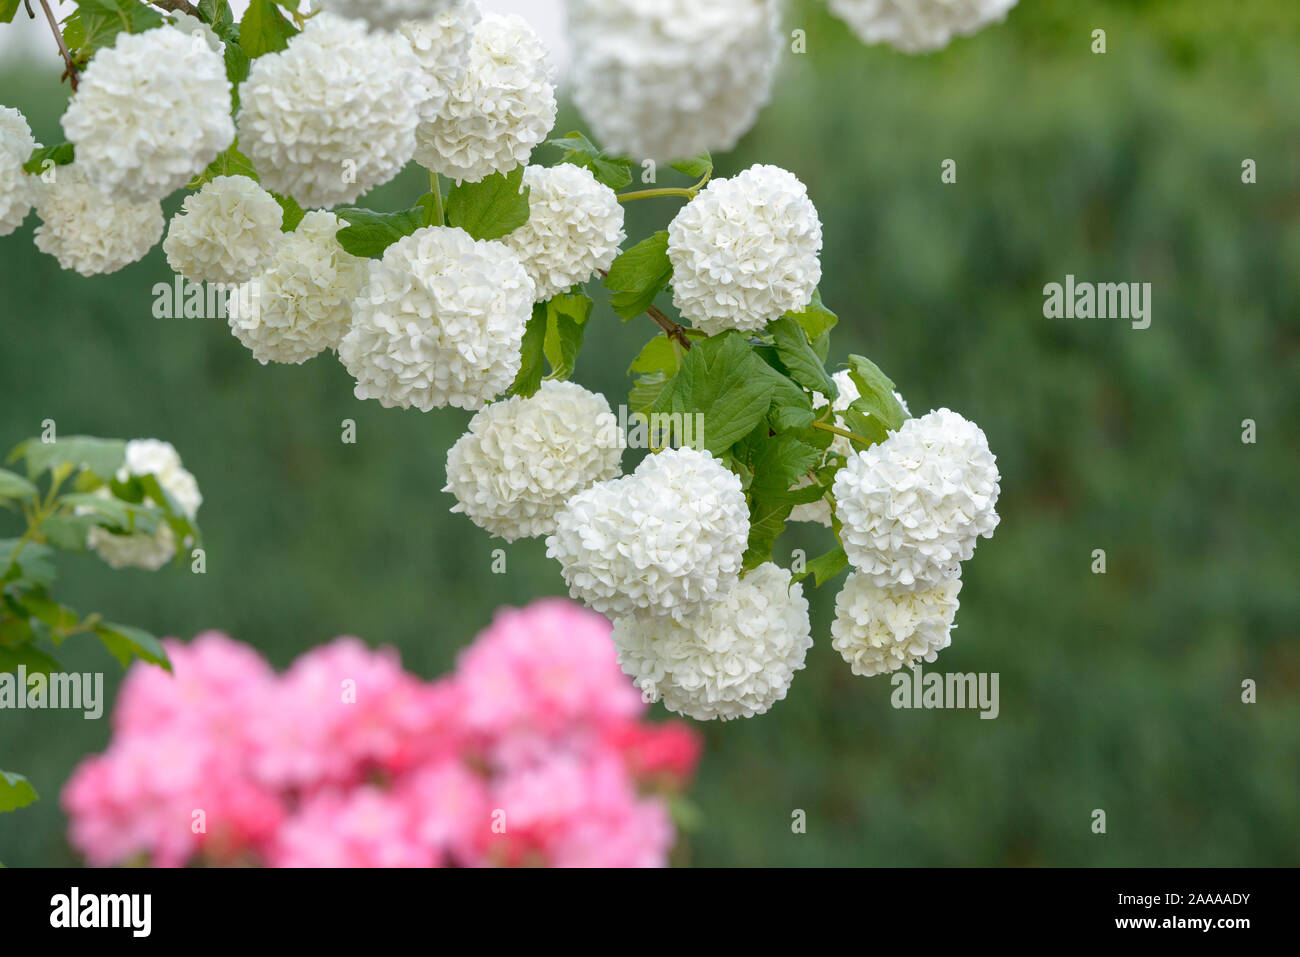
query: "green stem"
848, 435
435, 187
682, 191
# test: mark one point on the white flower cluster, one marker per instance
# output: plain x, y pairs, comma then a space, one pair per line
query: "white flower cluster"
666, 540
918, 26
878, 630
301, 304
226, 232
140, 549
574, 228
524, 458
16, 191
503, 106
745, 251
151, 112
389, 14
89, 230
334, 113
441, 42
667, 81
913, 506
440, 322
736, 658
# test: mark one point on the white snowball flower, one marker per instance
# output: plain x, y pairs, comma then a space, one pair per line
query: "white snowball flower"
665, 540
523, 458
141, 549
735, 659
334, 113
745, 251
151, 112
388, 14
441, 43
16, 190
666, 81
820, 511
302, 303
918, 26
502, 107
226, 232
878, 630
574, 228
913, 506
440, 322
89, 230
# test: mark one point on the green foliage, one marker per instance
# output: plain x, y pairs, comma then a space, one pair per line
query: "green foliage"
638, 275
264, 29
15, 791
717, 380
798, 358
231, 162
491, 208
7, 10
614, 171
293, 213
98, 22
817, 322
369, 233
553, 336
697, 167
60, 154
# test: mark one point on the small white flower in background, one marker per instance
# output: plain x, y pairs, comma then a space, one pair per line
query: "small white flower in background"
16, 187
735, 659
664, 541
302, 303
745, 251
820, 511
574, 228
918, 26
523, 458
226, 232
913, 506
389, 14
440, 322
441, 43
91, 231
669, 80
502, 107
877, 630
151, 112
143, 550
334, 113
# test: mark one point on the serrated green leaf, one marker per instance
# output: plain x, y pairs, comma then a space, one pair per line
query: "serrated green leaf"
780, 461
125, 643
613, 171
60, 154
798, 357
494, 207
786, 417
875, 393
717, 378
15, 791
264, 29
638, 275
697, 166
15, 488
645, 392
869, 429
102, 20
816, 321
218, 14
369, 233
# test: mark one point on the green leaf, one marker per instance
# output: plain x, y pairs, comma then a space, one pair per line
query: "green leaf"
875, 393
697, 166
60, 155
718, 379
264, 29
825, 567
103, 457
613, 171
103, 20
14, 487
646, 391
798, 357
780, 461
237, 66
566, 324
638, 275
369, 233
218, 14
57, 617
113, 513
293, 213
15, 791
7, 10
33, 659
532, 354
33, 563
68, 532
785, 393
817, 322
125, 642
869, 428
429, 203
231, 162
492, 208
786, 417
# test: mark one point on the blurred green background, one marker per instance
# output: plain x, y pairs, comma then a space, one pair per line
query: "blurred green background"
1119, 691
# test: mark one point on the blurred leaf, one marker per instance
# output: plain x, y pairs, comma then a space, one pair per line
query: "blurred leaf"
126, 643
638, 275
34, 660
697, 166
825, 567
14, 487
231, 162
100, 456
103, 20
61, 154
32, 563
15, 791
492, 208
293, 213
7, 10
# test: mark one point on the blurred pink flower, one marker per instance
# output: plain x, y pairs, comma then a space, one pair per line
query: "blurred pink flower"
363, 827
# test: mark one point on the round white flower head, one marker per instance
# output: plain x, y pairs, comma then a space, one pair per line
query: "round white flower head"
16, 190
878, 630
225, 232
918, 26
389, 14
441, 43
745, 251
666, 81
440, 322
820, 511
502, 107
574, 228
913, 506
735, 659
141, 549
523, 458
89, 230
302, 303
663, 541
334, 113
151, 112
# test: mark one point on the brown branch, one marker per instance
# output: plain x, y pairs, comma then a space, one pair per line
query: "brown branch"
670, 328
177, 6
71, 71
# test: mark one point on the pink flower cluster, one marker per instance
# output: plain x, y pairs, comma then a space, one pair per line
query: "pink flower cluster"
533, 752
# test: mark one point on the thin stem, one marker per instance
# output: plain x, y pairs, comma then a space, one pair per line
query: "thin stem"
71, 71
435, 186
838, 431
683, 191
176, 6
671, 329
